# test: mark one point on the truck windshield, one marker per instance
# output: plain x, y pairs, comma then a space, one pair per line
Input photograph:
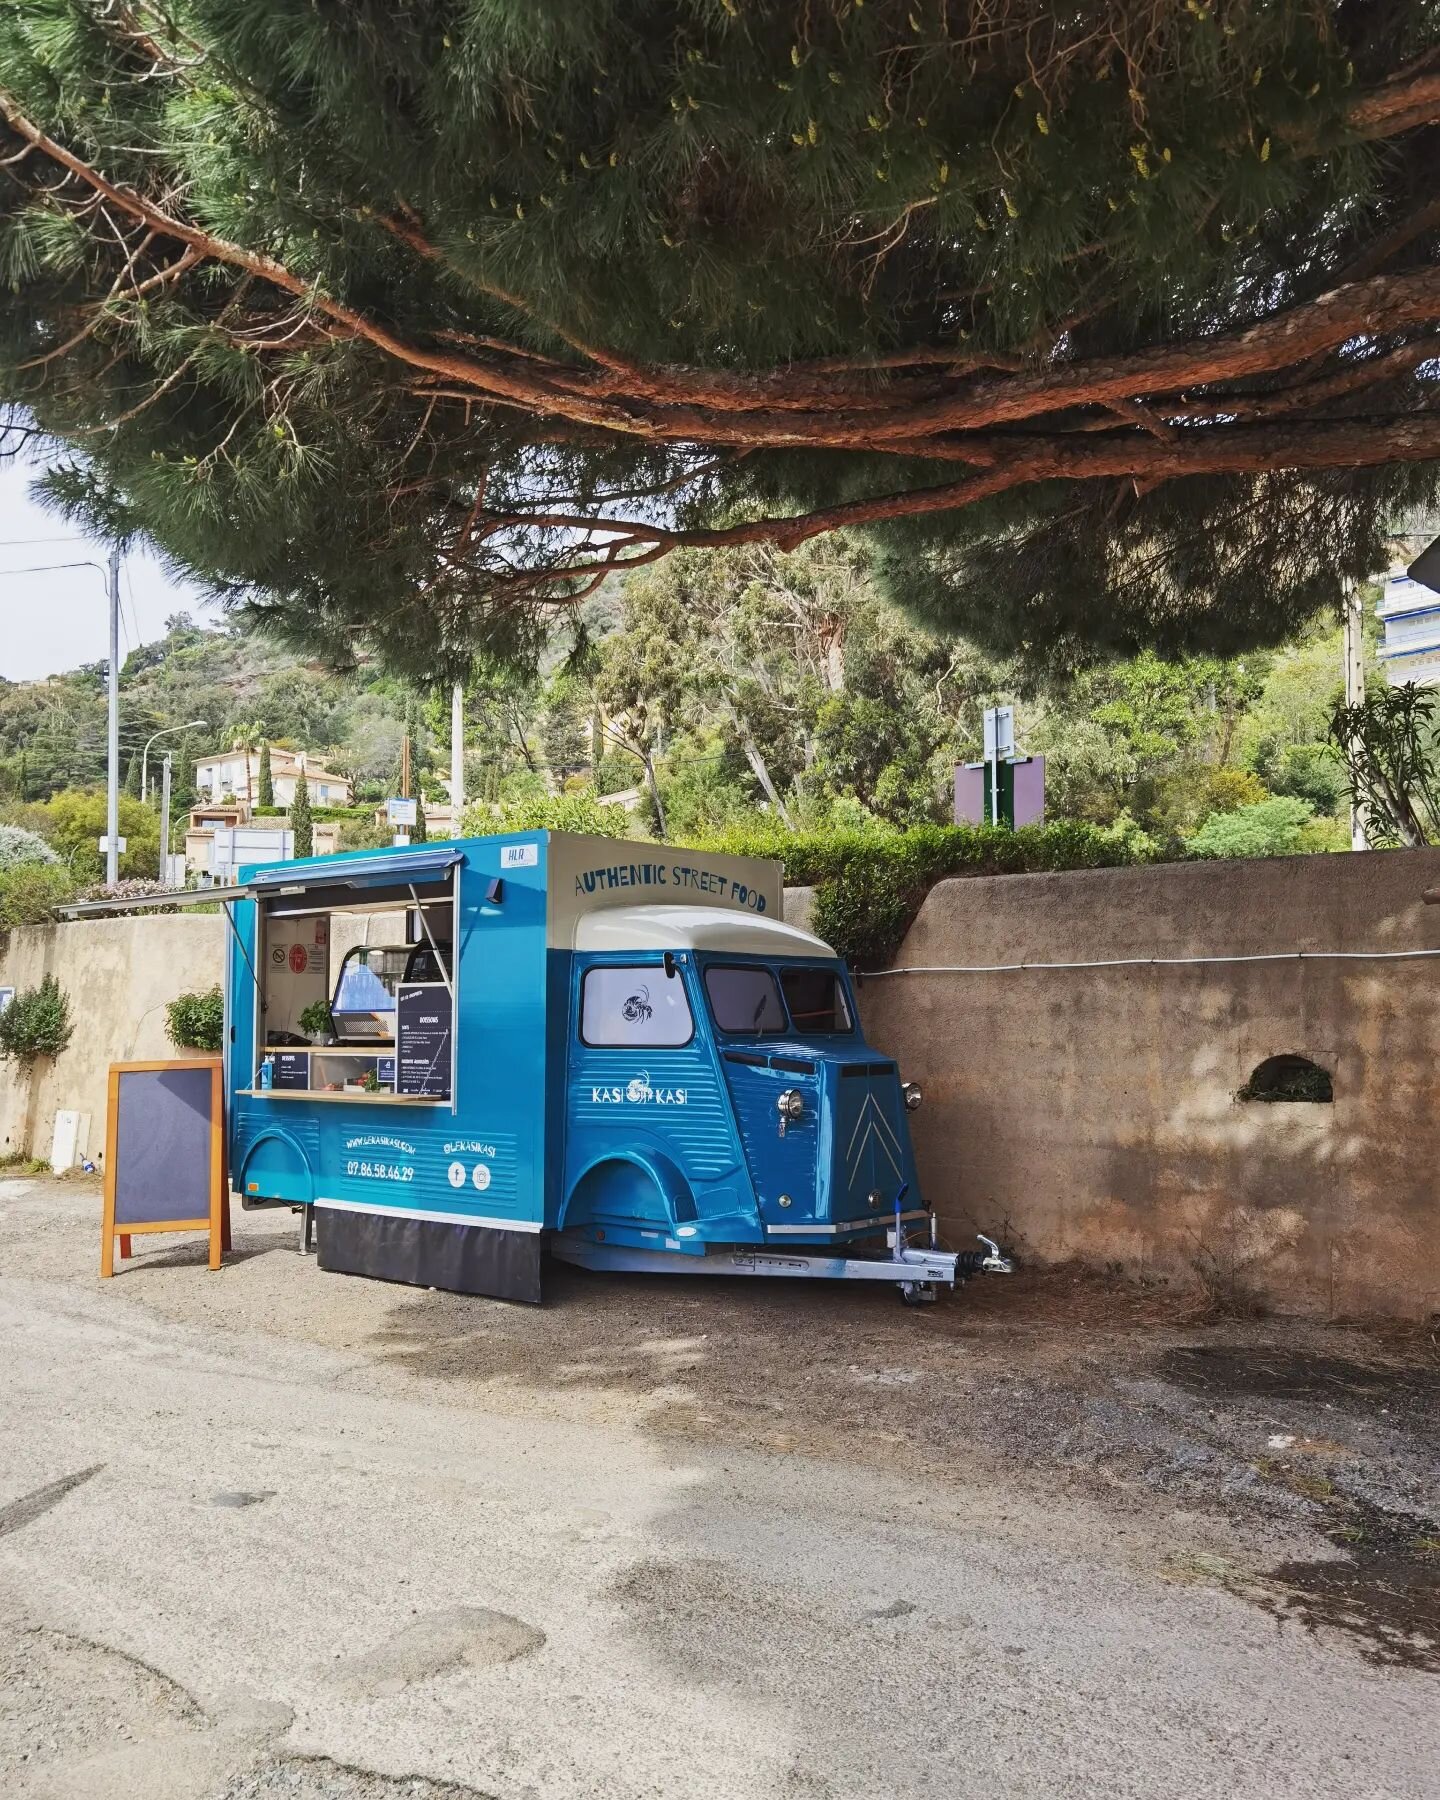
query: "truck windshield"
816, 1000
744, 998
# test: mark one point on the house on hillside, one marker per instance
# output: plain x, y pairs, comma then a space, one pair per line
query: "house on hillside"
1410, 614
219, 840
237, 773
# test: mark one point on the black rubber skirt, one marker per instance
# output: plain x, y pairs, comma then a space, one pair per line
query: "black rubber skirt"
463, 1259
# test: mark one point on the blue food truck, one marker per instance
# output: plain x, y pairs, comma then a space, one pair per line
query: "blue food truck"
617, 1051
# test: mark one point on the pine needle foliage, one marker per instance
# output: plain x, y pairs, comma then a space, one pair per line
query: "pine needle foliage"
1114, 324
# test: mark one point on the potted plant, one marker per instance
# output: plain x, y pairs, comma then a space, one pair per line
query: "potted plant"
316, 1023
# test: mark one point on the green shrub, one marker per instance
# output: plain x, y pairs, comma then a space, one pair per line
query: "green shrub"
1269, 828
870, 883
36, 1023
548, 812
20, 848
29, 892
197, 1021
320, 815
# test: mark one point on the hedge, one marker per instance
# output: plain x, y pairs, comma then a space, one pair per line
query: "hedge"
29, 893
321, 815
869, 885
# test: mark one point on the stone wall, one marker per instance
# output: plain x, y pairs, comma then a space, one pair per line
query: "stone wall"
1091, 1113
118, 974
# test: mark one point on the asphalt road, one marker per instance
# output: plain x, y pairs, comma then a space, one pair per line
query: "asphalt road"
237, 1564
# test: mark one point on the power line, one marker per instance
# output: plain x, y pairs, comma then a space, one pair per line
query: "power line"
49, 568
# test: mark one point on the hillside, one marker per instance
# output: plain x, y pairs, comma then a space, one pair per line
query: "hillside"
52, 732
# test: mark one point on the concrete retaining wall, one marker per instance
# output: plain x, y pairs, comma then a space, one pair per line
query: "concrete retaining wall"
1080, 1113
118, 974
1090, 1113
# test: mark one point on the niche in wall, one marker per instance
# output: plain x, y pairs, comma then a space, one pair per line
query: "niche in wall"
1288, 1078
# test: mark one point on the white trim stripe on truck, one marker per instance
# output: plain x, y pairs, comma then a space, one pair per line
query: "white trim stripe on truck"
432, 1218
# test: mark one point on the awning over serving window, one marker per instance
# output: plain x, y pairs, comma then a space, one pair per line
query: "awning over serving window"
391, 868
397, 870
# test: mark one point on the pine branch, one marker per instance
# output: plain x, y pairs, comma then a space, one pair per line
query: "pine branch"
1248, 450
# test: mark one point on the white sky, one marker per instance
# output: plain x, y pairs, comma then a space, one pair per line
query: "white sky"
56, 619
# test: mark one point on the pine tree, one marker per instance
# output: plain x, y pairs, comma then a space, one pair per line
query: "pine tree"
301, 821
1112, 324
266, 782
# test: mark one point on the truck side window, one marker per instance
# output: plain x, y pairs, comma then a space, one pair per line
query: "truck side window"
816, 1000
642, 1007
744, 997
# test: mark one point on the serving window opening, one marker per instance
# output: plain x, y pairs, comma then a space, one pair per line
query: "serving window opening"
358, 992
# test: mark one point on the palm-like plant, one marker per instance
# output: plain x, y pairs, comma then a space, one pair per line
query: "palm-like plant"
247, 739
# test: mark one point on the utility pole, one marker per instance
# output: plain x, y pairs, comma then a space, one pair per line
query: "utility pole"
112, 796
165, 820
405, 767
1355, 692
457, 755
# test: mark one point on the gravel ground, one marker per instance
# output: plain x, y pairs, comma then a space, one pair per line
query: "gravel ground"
272, 1533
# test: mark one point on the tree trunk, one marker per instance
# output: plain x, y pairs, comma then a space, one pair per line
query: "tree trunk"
762, 775
832, 642
654, 787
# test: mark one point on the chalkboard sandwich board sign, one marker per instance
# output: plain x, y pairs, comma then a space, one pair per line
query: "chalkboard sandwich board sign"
165, 1154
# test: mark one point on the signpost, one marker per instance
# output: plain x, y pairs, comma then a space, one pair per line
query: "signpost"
1006, 788
402, 816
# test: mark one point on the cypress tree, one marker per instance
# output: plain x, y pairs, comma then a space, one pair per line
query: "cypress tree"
132, 775
419, 830
1112, 325
267, 784
301, 822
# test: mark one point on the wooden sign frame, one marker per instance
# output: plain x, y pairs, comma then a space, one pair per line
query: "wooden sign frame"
217, 1219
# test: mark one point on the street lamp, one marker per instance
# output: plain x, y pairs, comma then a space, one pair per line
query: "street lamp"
111, 572
191, 725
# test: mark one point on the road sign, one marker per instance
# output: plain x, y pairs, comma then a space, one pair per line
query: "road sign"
400, 812
999, 731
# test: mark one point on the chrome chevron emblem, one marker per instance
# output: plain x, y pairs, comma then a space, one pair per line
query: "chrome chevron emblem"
872, 1127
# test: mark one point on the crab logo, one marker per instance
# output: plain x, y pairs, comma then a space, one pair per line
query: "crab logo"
639, 1089
637, 1007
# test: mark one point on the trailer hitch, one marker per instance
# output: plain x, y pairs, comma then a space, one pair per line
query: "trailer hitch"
991, 1261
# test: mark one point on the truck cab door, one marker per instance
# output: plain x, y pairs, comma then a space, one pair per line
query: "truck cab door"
649, 1127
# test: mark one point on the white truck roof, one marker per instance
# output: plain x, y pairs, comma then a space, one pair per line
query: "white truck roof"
693, 928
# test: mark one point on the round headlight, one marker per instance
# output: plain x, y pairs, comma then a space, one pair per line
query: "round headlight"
790, 1104
912, 1094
